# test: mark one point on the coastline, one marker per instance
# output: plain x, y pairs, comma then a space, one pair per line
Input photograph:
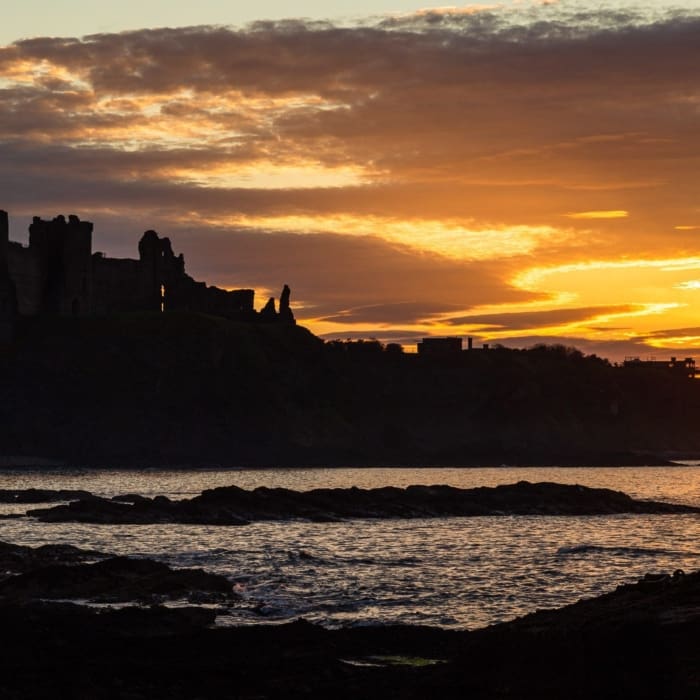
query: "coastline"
148, 633
638, 641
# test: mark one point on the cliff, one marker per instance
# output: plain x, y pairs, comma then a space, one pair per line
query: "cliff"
183, 388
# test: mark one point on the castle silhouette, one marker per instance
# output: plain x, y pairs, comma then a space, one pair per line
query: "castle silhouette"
58, 274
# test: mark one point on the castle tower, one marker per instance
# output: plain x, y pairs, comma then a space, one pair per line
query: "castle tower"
8, 298
76, 292
63, 250
4, 239
164, 285
153, 290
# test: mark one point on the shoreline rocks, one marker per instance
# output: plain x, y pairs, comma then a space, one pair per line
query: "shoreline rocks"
19, 559
117, 579
64, 572
640, 641
42, 495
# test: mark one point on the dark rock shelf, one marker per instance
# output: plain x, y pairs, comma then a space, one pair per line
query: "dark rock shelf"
17, 559
641, 641
234, 506
117, 579
63, 572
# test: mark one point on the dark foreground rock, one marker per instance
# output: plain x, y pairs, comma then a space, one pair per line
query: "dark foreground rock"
17, 559
641, 641
234, 506
117, 579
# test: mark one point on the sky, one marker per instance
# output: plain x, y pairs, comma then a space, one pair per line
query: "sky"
518, 172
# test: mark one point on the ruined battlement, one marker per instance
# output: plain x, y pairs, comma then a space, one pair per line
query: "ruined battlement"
58, 274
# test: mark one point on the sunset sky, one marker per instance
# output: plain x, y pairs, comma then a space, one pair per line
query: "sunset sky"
520, 172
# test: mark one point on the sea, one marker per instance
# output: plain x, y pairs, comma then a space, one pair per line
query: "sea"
460, 573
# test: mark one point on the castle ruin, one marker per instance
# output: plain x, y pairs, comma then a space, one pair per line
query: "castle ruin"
58, 274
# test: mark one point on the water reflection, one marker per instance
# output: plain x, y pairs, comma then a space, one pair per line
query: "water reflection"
676, 484
453, 572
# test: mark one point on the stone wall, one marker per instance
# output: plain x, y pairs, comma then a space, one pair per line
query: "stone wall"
28, 277
116, 285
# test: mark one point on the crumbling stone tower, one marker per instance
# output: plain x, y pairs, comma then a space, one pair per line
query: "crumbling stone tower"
165, 286
161, 272
286, 315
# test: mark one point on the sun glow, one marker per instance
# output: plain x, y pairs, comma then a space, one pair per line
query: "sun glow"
606, 214
452, 239
268, 176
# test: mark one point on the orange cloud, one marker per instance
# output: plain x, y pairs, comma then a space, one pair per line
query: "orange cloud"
421, 162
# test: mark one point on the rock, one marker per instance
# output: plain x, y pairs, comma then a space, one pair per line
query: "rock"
114, 580
16, 559
639, 641
63, 620
131, 498
234, 506
285, 312
268, 312
41, 495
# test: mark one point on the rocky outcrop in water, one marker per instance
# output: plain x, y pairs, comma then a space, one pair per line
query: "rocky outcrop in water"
234, 506
41, 495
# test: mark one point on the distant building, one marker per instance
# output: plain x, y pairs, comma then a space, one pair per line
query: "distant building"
674, 366
440, 347
446, 347
58, 274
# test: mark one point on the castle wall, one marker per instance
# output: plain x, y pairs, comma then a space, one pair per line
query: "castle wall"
8, 302
116, 285
229, 303
4, 241
58, 274
185, 294
27, 273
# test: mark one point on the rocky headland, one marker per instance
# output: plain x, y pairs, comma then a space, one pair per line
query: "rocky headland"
186, 389
235, 506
